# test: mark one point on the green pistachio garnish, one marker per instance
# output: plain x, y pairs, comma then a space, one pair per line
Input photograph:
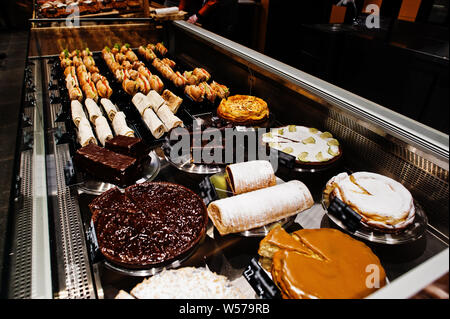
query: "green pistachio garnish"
268, 134
302, 157
319, 157
292, 128
333, 142
330, 151
288, 150
281, 131
325, 135
274, 144
313, 130
309, 140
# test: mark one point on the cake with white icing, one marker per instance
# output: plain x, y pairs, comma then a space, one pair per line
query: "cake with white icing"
308, 145
382, 202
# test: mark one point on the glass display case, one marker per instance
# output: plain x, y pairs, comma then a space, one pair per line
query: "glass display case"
53, 252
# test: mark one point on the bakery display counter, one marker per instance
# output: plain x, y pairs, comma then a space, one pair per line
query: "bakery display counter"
364, 137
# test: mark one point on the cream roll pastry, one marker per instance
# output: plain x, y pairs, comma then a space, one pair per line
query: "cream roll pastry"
306, 144
382, 202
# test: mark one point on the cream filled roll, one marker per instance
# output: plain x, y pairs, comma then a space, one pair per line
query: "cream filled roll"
109, 108
168, 118
249, 176
93, 110
85, 134
77, 112
155, 100
260, 207
102, 129
154, 124
141, 102
120, 126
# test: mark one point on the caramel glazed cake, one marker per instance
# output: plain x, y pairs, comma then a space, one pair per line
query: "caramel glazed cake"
320, 264
382, 202
151, 223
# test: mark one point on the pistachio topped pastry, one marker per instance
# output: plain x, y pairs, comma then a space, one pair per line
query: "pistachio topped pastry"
306, 144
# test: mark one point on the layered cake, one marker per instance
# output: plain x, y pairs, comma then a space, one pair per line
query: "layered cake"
107, 165
129, 146
150, 224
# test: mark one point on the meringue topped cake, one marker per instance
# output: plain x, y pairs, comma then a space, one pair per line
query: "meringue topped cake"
383, 203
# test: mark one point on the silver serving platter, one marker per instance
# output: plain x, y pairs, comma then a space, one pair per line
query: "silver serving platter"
255, 232
185, 164
97, 187
152, 270
411, 233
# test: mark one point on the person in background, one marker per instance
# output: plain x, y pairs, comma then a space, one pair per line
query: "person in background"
219, 16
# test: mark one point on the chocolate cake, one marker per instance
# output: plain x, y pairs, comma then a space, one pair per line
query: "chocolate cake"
165, 222
129, 146
112, 200
107, 165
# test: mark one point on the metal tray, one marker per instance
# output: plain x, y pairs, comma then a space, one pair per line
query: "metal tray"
97, 187
411, 233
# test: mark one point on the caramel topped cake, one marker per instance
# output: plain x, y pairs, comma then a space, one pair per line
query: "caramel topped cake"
243, 109
164, 222
322, 263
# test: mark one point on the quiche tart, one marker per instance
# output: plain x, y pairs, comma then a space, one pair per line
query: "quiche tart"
243, 109
308, 145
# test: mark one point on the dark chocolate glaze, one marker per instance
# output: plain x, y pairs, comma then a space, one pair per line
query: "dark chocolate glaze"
107, 165
129, 146
169, 221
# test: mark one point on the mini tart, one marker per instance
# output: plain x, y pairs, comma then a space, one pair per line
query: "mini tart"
383, 203
243, 109
308, 145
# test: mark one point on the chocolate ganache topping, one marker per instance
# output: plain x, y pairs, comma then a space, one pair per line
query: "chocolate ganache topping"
151, 223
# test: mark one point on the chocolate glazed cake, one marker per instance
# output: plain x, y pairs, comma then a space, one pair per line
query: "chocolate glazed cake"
150, 224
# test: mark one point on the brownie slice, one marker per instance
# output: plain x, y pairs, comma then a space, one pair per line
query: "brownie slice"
129, 146
107, 165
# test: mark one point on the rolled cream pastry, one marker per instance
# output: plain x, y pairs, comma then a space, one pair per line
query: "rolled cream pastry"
103, 130
155, 100
168, 118
249, 176
166, 11
258, 208
93, 110
77, 112
120, 126
154, 124
141, 102
109, 108
381, 201
85, 134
